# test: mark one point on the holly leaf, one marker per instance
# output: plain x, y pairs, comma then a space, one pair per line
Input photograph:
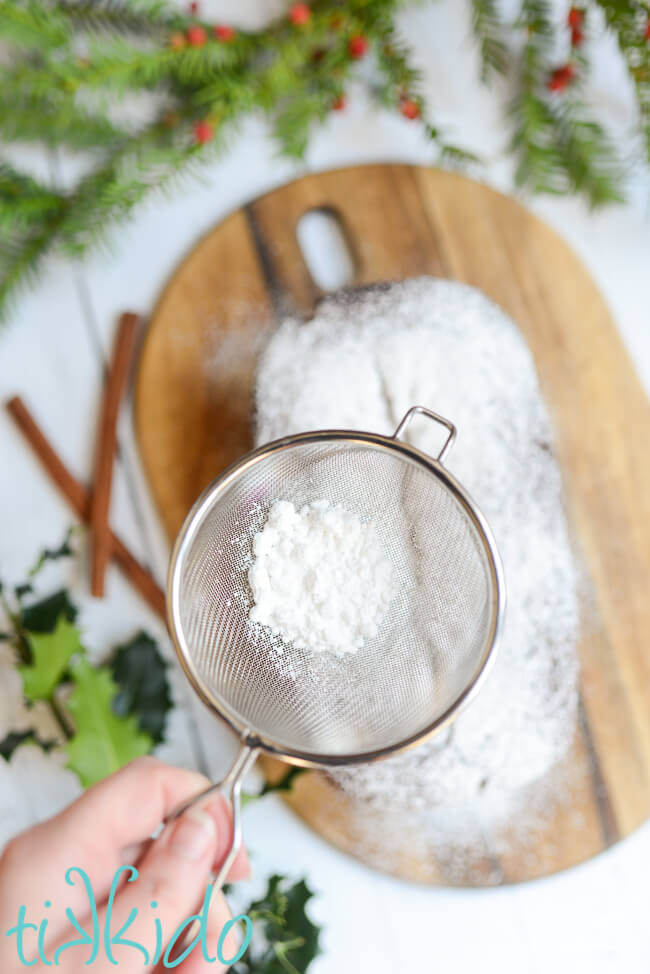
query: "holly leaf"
284, 784
290, 941
43, 615
50, 653
300, 926
103, 742
15, 738
143, 689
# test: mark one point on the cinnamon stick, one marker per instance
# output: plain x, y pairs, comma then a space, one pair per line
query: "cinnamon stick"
107, 441
80, 499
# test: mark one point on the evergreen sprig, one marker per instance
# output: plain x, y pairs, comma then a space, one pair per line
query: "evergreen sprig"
52, 118
23, 200
630, 22
70, 61
32, 25
490, 33
559, 147
143, 18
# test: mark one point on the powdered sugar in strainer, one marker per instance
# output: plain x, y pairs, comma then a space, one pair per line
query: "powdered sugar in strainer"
432, 649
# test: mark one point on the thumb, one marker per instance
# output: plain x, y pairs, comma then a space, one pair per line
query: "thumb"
172, 876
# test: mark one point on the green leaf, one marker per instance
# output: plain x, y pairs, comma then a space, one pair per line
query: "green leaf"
103, 742
51, 654
285, 784
43, 615
290, 940
14, 739
143, 689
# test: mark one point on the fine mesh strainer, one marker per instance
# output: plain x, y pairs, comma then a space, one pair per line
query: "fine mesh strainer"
432, 648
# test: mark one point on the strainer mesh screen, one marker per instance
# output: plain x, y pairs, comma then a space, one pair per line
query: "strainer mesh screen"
430, 644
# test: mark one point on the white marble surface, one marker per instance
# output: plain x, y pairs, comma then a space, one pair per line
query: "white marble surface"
593, 918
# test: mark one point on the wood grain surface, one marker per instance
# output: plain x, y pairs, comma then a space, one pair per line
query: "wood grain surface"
194, 416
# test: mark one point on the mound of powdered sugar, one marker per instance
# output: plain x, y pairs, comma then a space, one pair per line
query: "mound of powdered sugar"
319, 577
361, 362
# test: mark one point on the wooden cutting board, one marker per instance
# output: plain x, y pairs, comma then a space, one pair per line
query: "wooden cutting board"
193, 414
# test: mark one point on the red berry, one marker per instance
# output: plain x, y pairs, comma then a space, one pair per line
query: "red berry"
196, 35
647, 31
561, 78
203, 132
409, 108
575, 17
577, 37
224, 33
177, 41
357, 46
299, 14
194, 8
339, 103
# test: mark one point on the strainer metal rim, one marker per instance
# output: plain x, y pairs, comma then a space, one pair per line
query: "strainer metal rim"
191, 525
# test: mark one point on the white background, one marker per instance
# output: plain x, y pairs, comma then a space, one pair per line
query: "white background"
591, 919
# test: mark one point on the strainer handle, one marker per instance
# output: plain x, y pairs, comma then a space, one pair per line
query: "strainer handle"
423, 411
230, 786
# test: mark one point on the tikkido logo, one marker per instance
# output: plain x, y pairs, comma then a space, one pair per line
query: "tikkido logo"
24, 930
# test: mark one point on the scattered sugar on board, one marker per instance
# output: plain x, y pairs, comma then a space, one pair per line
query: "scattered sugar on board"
360, 363
319, 578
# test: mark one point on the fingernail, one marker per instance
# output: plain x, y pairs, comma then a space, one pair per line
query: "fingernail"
194, 834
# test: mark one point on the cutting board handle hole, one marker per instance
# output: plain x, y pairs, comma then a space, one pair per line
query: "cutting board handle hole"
326, 249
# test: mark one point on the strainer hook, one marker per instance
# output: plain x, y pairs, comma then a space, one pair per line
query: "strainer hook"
429, 413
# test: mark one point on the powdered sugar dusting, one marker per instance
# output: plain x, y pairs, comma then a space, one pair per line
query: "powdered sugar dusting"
319, 577
361, 362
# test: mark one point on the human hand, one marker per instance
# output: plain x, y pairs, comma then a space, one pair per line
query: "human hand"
107, 828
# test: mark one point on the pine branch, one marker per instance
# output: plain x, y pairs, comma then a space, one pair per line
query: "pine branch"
274, 71
629, 21
34, 25
539, 163
456, 157
293, 124
152, 159
52, 118
291, 73
402, 80
135, 17
21, 266
23, 201
488, 30
560, 149
400, 77
15, 185
590, 159
120, 65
